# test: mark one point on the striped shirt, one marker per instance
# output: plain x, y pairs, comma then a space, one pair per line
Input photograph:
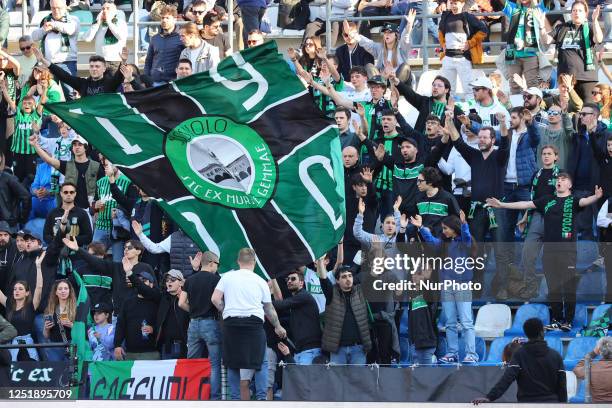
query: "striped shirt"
23, 130
105, 220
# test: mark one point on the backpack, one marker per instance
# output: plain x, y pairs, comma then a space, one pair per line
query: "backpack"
599, 327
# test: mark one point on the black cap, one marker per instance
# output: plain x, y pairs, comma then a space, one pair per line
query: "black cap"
102, 307
21, 233
377, 79
390, 27
4, 227
29, 234
146, 275
410, 140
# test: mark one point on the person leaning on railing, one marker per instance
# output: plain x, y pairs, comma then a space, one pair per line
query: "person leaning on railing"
601, 370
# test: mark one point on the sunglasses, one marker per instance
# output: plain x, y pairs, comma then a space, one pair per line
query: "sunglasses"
70, 192
527, 96
478, 88
198, 11
27, 47
553, 113
291, 279
129, 247
419, 181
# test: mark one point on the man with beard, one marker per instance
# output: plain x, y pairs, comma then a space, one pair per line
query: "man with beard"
532, 98
362, 188
483, 104
303, 319
351, 54
68, 219
433, 202
488, 169
164, 49
8, 253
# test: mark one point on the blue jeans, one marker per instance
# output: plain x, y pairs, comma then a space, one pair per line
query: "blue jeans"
56, 354
71, 68
513, 194
457, 306
423, 356
104, 237
143, 35
305, 357
39, 326
261, 381
349, 355
251, 19
206, 332
402, 9
387, 199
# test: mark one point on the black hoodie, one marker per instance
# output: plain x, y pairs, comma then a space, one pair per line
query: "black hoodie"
539, 374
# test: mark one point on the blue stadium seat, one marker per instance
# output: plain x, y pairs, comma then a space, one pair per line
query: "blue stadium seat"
496, 350
600, 311
580, 321
481, 348
579, 397
588, 252
554, 343
577, 349
526, 312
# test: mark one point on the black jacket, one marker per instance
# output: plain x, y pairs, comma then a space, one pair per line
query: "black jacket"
8, 256
586, 175
15, 200
304, 319
168, 309
89, 86
77, 219
347, 60
422, 327
539, 373
600, 152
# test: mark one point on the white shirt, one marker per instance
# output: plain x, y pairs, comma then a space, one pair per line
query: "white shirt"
487, 113
54, 50
156, 248
511, 176
312, 283
244, 293
456, 165
110, 52
350, 93
603, 219
26, 64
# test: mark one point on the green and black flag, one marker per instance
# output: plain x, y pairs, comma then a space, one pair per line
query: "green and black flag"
238, 156
81, 323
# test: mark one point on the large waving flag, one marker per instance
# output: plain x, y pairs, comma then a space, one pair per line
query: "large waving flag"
238, 156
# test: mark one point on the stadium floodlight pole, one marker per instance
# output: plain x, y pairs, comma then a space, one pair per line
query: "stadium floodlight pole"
424, 48
328, 24
135, 35
24, 18
230, 24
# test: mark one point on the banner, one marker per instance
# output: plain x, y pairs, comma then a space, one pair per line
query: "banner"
155, 380
39, 374
387, 384
238, 156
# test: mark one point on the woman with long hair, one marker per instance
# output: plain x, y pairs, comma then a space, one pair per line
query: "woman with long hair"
308, 60
202, 55
59, 318
602, 97
20, 312
40, 78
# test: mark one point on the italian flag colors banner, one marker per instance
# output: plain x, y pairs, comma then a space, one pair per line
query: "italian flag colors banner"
155, 380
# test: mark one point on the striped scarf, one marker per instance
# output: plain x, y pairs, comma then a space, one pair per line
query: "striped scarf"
65, 37
109, 37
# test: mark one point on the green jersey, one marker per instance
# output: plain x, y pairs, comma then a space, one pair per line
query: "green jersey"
105, 217
23, 130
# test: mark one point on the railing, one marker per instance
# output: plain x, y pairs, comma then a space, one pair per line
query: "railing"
423, 16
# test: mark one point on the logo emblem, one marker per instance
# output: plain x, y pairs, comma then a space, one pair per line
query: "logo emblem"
222, 162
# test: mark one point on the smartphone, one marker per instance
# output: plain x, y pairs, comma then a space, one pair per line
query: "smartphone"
48, 318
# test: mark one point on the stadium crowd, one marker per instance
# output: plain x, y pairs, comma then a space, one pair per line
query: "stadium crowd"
477, 171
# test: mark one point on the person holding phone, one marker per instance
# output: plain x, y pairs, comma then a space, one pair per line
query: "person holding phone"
60, 315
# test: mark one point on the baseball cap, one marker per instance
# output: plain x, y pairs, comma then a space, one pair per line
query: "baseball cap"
146, 275
80, 139
4, 227
31, 234
102, 307
175, 273
535, 91
21, 233
409, 140
377, 79
390, 27
482, 82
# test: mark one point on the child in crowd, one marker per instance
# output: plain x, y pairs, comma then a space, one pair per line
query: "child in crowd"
102, 334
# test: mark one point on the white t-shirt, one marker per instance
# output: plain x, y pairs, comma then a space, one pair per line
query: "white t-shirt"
243, 293
313, 286
487, 113
511, 176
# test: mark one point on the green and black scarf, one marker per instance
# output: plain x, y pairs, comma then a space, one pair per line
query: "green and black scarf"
534, 185
65, 37
109, 37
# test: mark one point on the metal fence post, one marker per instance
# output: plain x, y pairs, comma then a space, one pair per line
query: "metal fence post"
424, 21
230, 24
328, 24
24, 18
587, 379
136, 34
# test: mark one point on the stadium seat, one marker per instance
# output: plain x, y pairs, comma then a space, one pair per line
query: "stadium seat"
424, 86
588, 252
571, 384
496, 350
516, 100
580, 320
578, 398
600, 311
554, 343
86, 19
15, 19
577, 349
481, 348
271, 16
527, 312
492, 320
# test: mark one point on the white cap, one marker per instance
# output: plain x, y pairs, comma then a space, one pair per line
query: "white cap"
482, 82
80, 139
535, 91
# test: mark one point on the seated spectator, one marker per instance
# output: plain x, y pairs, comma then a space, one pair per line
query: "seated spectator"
110, 34
102, 334
601, 371
202, 55
60, 315
537, 369
510, 349
318, 14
